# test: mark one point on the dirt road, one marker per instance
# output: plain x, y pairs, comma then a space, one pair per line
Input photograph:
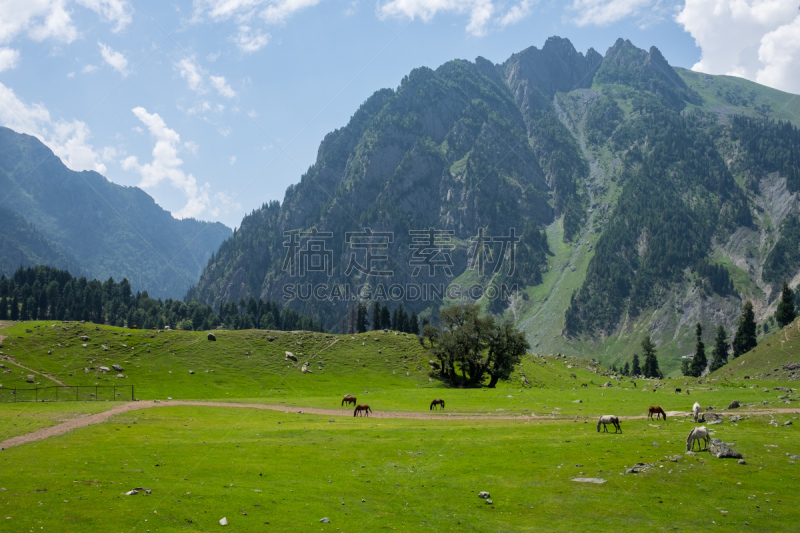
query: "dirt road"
98, 418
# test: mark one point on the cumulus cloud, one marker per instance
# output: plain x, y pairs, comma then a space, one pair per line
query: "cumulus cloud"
754, 39
191, 73
166, 165
88, 68
67, 139
9, 58
116, 11
249, 40
481, 14
52, 19
247, 14
222, 86
115, 59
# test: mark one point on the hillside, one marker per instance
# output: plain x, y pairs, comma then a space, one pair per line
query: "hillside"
647, 199
82, 222
777, 357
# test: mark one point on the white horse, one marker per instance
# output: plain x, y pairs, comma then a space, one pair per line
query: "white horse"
697, 434
609, 419
696, 410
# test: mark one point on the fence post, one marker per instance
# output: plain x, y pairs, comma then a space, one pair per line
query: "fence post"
115, 394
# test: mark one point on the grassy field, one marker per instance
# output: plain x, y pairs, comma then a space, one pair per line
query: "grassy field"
289, 469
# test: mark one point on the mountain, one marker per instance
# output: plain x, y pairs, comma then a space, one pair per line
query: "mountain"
648, 198
82, 222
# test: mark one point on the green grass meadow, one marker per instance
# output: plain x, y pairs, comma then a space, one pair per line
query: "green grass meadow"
267, 470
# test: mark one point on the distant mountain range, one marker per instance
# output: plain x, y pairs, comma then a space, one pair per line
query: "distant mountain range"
82, 222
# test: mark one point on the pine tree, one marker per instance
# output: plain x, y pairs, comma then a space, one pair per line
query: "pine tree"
376, 316
395, 321
626, 369
14, 307
700, 361
414, 325
721, 348
3, 308
686, 367
786, 312
636, 370
386, 319
351, 320
650, 368
614, 368
361, 318
745, 338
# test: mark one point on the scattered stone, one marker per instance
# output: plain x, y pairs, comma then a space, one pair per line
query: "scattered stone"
787, 423
577, 401
690, 453
120, 376
28, 331
736, 418
489, 502
676, 458
84, 338
117, 368
290, 355
85, 345
589, 480
483, 494
715, 422
325, 520
734, 405
223, 521
638, 468
656, 444
191, 371
30, 378
104, 369
213, 338
741, 462
132, 492
720, 450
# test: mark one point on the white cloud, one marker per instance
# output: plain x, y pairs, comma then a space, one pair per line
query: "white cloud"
224, 203
9, 58
67, 139
754, 39
166, 165
109, 154
88, 68
199, 107
71, 74
189, 71
111, 10
249, 40
247, 13
232, 160
605, 12
517, 12
482, 14
222, 86
117, 61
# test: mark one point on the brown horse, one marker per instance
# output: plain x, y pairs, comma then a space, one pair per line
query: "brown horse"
362, 409
434, 403
349, 399
584, 385
658, 411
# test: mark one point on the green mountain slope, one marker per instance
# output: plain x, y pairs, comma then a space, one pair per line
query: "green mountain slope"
652, 198
106, 230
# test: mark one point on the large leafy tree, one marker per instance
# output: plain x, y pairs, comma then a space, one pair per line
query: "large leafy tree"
745, 338
786, 311
471, 346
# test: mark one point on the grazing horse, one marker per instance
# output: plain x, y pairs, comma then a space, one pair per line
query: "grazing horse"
584, 385
696, 410
609, 419
349, 399
634, 384
434, 403
697, 435
687, 391
678, 391
657, 410
362, 409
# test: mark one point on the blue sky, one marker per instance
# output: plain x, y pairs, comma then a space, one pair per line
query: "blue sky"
216, 107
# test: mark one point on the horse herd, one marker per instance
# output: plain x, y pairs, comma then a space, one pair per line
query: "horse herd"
364, 410
697, 435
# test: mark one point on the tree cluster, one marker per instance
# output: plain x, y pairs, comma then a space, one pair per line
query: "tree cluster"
44, 293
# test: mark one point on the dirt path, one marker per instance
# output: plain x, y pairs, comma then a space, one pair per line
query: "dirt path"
48, 376
98, 418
